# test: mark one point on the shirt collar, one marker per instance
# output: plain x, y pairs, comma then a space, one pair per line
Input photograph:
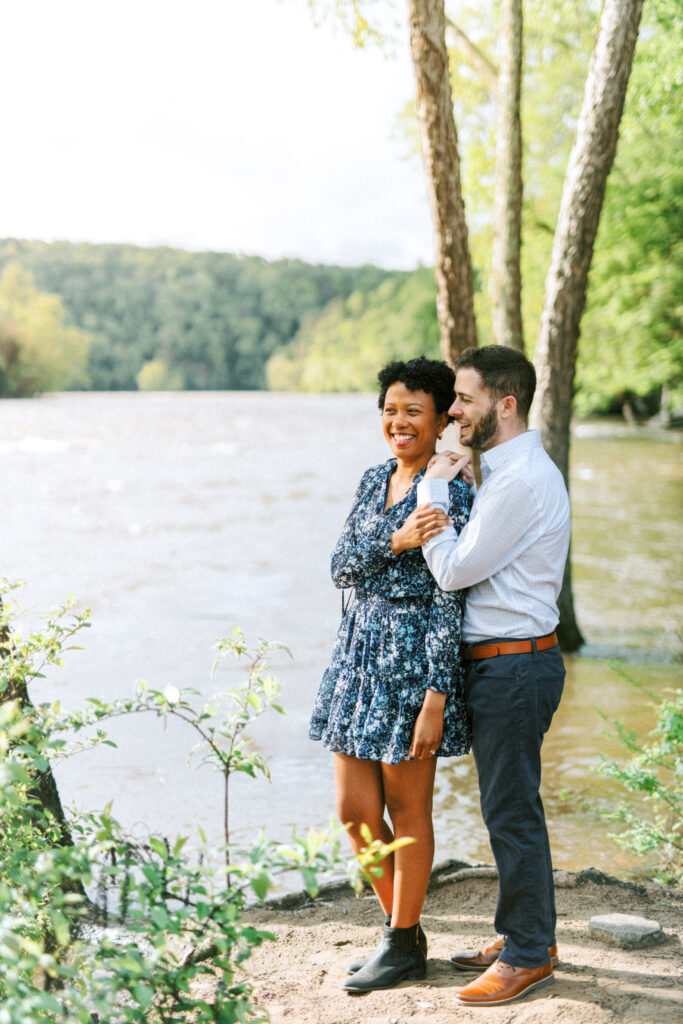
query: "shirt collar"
502, 453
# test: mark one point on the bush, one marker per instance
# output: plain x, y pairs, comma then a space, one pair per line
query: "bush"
655, 770
178, 908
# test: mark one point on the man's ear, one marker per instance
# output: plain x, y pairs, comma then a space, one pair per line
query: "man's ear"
508, 406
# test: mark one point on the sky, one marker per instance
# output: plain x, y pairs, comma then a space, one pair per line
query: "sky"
231, 125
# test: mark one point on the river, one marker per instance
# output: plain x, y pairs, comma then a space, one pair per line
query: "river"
175, 517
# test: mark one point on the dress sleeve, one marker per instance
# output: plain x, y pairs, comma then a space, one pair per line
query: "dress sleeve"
444, 630
364, 547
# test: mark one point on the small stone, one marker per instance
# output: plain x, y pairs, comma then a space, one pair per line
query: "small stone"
625, 930
565, 880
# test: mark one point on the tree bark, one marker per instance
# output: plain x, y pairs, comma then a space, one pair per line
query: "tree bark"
565, 294
506, 276
454, 279
44, 786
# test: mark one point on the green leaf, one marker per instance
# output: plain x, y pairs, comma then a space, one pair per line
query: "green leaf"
160, 917
260, 883
159, 848
143, 994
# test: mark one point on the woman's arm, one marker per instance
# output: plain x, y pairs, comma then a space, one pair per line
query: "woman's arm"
364, 547
428, 728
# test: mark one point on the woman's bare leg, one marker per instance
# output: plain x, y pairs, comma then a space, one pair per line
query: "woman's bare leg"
408, 790
360, 799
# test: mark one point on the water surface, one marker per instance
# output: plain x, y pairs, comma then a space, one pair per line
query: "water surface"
177, 516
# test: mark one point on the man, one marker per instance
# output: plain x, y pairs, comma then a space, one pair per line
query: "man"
511, 557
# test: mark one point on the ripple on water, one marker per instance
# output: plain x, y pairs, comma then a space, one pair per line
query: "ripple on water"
181, 533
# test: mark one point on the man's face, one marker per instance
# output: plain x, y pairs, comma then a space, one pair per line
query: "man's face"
475, 411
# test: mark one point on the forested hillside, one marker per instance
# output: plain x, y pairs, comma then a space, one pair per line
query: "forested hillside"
166, 318
342, 347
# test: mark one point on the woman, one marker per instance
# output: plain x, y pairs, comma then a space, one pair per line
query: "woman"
391, 701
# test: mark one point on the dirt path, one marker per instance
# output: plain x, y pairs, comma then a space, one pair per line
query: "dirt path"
297, 979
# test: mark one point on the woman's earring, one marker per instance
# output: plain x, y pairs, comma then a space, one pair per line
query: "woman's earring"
440, 435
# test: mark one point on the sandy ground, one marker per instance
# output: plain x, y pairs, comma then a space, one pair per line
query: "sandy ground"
297, 979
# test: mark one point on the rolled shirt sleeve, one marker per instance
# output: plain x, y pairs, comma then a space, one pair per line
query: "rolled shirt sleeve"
493, 537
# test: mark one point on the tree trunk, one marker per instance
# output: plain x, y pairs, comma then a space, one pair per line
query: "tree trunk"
565, 295
454, 279
44, 785
506, 277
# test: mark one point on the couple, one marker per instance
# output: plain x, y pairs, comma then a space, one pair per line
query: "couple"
422, 670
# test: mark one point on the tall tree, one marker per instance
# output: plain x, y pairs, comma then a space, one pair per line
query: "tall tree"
39, 351
583, 194
589, 165
453, 269
506, 276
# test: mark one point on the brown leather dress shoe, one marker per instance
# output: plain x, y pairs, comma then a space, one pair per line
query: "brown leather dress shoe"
481, 960
502, 983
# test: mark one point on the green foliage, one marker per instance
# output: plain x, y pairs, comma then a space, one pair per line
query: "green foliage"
654, 771
156, 375
343, 347
632, 333
354, 18
38, 350
179, 914
168, 319
367, 867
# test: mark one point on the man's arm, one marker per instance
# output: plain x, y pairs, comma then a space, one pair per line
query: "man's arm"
497, 532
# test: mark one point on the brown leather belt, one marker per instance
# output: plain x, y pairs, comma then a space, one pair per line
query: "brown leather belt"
476, 651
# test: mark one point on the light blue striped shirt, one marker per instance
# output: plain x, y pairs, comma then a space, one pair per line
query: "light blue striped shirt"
511, 554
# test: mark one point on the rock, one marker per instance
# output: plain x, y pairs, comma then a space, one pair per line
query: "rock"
625, 931
565, 880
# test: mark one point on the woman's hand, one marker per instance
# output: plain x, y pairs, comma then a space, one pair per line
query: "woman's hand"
428, 728
447, 465
422, 524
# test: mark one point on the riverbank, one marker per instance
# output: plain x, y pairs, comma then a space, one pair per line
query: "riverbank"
186, 537
297, 979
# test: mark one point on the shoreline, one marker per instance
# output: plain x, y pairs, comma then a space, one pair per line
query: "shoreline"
297, 979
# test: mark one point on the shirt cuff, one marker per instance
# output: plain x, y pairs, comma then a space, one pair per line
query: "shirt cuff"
447, 534
435, 491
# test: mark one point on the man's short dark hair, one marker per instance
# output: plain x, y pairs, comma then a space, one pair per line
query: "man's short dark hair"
429, 375
504, 371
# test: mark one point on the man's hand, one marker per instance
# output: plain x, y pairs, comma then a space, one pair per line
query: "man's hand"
428, 728
424, 523
447, 465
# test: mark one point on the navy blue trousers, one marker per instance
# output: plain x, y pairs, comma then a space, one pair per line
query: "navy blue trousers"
511, 700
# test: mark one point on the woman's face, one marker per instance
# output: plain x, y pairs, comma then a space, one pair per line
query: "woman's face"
411, 423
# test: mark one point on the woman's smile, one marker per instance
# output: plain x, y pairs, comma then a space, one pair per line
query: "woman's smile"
411, 424
403, 439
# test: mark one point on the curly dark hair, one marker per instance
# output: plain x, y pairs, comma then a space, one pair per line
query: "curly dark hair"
432, 376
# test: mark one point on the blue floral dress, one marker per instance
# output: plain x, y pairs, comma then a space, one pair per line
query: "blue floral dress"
400, 636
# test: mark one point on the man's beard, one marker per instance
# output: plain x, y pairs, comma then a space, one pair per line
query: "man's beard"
484, 431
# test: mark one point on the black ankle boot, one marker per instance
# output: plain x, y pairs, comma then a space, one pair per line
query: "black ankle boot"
398, 958
356, 965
